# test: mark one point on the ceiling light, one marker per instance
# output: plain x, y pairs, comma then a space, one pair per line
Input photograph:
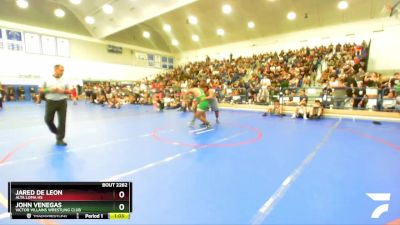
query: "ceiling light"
220, 32
167, 27
59, 13
227, 9
146, 34
22, 4
75, 2
175, 42
108, 9
343, 5
89, 20
291, 15
195, 38
192, 20
251, 24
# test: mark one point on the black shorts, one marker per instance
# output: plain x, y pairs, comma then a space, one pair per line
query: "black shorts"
301, 115
42, 96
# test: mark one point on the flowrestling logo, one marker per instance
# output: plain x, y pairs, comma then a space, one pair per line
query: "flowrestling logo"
379, 197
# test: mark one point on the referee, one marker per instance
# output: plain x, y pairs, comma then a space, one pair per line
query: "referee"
56, 94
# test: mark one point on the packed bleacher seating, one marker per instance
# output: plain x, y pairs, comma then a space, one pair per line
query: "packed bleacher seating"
335, 75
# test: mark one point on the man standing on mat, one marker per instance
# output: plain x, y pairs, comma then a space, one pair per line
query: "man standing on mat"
213, 102
56, 92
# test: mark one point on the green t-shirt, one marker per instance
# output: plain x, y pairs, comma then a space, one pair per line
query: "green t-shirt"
397, 88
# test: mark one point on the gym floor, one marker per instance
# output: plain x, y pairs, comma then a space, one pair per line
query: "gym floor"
248, 169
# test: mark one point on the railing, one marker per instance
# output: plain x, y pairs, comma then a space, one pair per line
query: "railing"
336, 98
366, 98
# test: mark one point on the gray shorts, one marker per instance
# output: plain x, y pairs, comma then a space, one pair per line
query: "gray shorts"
213, 104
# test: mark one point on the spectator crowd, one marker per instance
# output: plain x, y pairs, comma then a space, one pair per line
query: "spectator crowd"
337, 74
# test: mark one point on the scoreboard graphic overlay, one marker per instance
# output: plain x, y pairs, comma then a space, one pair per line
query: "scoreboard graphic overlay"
70, 200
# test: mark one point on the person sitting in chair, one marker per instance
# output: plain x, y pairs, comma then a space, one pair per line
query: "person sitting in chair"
317, 110
301, 110
275, 109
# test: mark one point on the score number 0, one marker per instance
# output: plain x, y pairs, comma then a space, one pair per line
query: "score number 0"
121, 206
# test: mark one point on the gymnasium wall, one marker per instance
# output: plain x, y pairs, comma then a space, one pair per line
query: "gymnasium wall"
384, 34
385, 49
89, 60
19, 68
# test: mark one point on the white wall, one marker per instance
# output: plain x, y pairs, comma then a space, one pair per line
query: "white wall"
21, 68
89, 60
384, 51
383, 42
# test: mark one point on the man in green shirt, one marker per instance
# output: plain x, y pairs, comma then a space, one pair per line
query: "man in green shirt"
202, 105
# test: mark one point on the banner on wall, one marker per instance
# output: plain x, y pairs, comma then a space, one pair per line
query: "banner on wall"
164, 62
63, 47
170, 63
150, 58
32, 43
1, 40
157, 61
141, 56
14, 40
49, 45
14, 35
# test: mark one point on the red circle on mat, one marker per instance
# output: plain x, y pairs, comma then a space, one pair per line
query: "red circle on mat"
258, 136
